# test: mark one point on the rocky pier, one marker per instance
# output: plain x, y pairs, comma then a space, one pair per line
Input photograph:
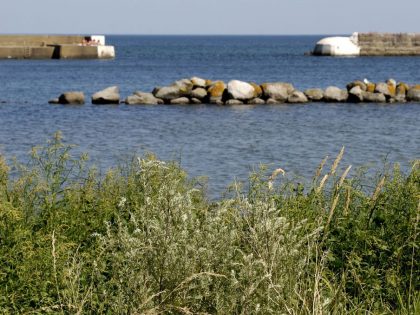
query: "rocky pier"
201, 91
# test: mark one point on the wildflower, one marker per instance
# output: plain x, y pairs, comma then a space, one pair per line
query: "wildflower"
122, 202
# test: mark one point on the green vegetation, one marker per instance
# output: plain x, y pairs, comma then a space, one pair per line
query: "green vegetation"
142, 239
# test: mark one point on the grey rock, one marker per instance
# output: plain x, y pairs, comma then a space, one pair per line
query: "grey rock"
358, 83
400, 98
215, 100
180, 101
413, 95
73, 97
53, 101
278, 91
373, 97
196, 101
240, 90
335, 94
142, 98
199, 93
383, 88
176, 90
314, 94
356, 94
256, 101
234, 102
168, 92
297, 97
272, 101
198, 82
110, 95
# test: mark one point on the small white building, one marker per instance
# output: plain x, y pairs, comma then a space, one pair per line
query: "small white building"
338, 46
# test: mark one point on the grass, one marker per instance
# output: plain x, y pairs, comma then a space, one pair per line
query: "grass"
143, 239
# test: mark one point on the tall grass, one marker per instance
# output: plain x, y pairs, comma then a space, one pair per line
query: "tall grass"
142, 239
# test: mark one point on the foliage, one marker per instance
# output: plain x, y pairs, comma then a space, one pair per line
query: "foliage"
142, 239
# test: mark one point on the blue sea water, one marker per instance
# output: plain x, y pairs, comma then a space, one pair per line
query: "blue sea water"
221, 142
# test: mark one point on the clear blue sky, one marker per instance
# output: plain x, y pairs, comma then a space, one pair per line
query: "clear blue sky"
208, 16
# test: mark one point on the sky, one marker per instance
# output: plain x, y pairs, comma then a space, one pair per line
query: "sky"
244, 17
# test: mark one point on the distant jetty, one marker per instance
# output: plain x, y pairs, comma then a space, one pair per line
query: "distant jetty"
54, 47
200, 91
370, 44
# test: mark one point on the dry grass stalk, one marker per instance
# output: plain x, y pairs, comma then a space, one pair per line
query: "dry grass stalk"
378, 190
332, 171
320, 168
337, 161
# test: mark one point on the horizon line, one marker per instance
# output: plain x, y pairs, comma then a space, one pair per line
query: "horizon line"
169, 34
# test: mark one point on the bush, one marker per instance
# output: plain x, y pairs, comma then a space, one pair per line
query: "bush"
144, 239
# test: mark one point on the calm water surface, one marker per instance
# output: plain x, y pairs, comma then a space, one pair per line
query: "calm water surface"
222, 143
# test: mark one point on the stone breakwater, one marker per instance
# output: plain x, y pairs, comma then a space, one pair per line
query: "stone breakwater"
200, 91
54, 47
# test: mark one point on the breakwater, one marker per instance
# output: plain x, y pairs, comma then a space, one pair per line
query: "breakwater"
370, 44
201, 91
54, 47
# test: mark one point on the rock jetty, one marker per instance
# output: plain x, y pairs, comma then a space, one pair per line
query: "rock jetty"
235, 92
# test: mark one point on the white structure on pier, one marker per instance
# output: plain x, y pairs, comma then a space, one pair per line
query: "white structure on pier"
338, 46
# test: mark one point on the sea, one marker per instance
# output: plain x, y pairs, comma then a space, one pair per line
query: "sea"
220, 143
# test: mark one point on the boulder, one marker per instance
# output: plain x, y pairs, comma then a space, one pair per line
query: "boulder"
272, 101
370, 87
258, 90
216, 91
196, 101
52, 101
143, 98
234, 102
413, 94
240, 90
356, 94
198, 82
401, 92
199, 93
391, 82
335, 94
110, 95
314, 94
373, 97
358, 83
185, 84
77, 98
399, 98
256, 101
168, 93
177, 89
401, 89
180, 101
385, 89
278, 91
297, 97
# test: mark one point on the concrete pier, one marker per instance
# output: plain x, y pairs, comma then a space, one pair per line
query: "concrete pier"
370, 44
54, 47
